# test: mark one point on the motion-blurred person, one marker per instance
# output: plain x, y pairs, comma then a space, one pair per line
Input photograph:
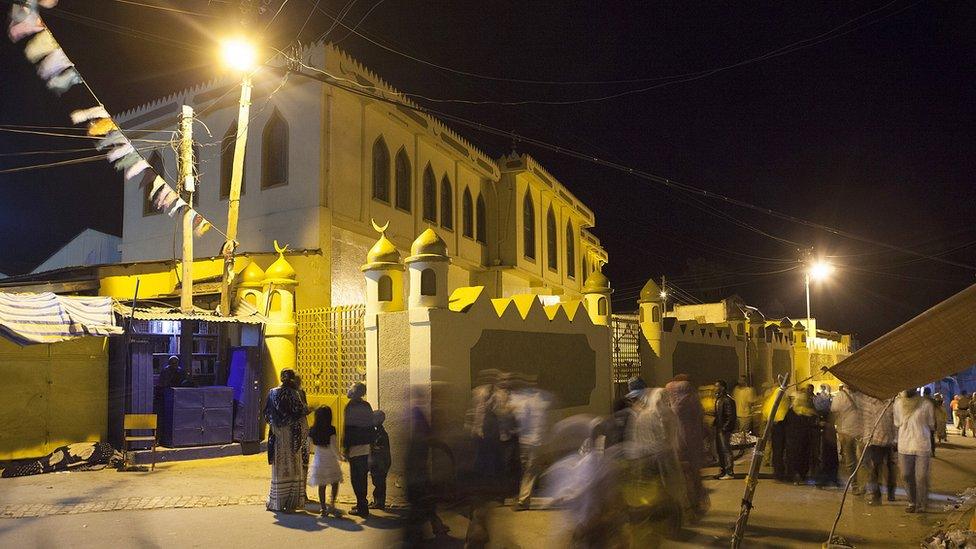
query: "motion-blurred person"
380, 461
915, 420
849, 419
744, 396
822, 400
962, 413
927, 395
777, 437
801, 435
358, 434
530, 406
879, 446
724, 424
421, 496
691, 439
488, 419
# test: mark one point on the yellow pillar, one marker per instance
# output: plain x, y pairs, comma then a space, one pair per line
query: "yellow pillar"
596, 298
281, 331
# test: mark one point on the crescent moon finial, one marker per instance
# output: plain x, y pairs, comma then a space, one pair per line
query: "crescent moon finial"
378, 228
280, 249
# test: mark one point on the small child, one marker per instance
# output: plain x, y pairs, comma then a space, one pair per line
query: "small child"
379, 461
325, 466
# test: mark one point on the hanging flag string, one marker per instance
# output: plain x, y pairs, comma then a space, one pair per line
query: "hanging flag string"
61, 77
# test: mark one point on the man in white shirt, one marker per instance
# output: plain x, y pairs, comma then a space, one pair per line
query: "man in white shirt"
915, 420
744, 396
530, 406
849, 422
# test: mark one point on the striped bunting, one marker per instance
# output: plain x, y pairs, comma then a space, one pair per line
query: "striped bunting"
28, 319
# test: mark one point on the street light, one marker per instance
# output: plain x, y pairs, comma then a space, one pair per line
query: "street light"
817, 271
240, 55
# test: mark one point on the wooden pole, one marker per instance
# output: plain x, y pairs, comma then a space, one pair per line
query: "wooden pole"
234, 196
186, 177
757, 457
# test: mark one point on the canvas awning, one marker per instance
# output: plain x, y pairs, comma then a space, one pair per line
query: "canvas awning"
243, 315
27, 318
937, 343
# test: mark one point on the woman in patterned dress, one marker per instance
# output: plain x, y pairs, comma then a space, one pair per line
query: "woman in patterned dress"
285, 412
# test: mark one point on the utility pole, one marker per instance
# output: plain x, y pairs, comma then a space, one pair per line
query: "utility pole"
189, 186
234, 198
664, 297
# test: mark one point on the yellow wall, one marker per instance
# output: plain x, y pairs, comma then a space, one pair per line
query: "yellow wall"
52, 395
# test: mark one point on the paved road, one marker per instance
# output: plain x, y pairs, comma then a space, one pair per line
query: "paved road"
216, 503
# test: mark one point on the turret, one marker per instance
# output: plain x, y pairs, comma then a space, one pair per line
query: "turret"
250, 288
650, 306
280, 333
427, 266
384, 276
596, 297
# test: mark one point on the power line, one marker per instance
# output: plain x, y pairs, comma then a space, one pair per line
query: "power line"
165, 8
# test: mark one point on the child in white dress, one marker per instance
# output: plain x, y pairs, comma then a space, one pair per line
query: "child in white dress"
325, 470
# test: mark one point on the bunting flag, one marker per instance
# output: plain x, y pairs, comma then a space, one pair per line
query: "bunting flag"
61, 76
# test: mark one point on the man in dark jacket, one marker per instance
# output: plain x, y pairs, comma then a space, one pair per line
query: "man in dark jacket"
359, 433
724, 424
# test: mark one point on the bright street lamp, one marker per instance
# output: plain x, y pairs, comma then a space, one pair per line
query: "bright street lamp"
240, 55
818, 270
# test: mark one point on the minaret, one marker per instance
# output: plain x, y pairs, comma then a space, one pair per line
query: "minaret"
596, 297
384, 276
427, 265
651, 314
250, 288
281, 331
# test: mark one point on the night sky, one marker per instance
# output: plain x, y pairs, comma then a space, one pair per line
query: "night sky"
868, 128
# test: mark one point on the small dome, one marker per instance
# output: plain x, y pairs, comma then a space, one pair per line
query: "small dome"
428, 247
597, 283
253, 275
651, 292
383, 255
280, 269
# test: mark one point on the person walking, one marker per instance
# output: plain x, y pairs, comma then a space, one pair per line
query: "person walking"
744, 396
849, 420
724, 424
941, 418
777, 438
879, 445
915, 419
691, 439
530, 407
801, 435
962, 413
325, 470
380, 461
285, 413
357, 436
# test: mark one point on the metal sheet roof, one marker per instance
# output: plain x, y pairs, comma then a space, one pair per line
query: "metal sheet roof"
244, 315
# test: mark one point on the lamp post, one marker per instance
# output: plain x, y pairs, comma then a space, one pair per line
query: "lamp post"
239, 55
818, 270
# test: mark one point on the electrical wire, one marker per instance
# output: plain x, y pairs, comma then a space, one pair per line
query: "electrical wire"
165, 8
360, 22
61, 163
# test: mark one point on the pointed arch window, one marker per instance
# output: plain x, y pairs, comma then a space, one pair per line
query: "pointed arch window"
381, 170
528, 226
403, 186
467, 214
428, 282
227, 162
384, 288
274, 152
601, 306
447, 204
552, 257
570, 250
430, 195
480, 221
156, 161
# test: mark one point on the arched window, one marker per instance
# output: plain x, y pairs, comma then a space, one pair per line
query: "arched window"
227, 162
480, 221
403, 186
655, 314
274, 152
430, 195
551, 250
570, 251
601, 306
381, 170
467, 214
275, 301
428, 282
528, 226
447, 204
384, 288
156, 161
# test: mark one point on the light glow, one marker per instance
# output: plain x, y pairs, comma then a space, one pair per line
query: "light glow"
239, 54
820, 270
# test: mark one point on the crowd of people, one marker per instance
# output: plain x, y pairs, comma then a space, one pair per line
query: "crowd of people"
631, 477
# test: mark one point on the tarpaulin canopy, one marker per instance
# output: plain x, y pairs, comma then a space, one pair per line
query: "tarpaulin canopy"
49, 318
939, 342
244, 314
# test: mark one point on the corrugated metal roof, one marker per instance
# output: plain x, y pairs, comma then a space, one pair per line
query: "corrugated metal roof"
244, 315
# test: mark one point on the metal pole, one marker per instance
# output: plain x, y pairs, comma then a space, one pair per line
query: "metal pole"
234, 197
757, 456
186, 177
807, 280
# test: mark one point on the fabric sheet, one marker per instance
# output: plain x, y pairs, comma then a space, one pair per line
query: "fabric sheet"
48, 318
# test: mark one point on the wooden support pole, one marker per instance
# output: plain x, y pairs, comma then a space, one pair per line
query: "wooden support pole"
187, 182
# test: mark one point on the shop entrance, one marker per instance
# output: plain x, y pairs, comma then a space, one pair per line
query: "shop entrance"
331, 354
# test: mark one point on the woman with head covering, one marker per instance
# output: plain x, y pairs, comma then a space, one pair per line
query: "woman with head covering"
691, 438
285, 412
359, 432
